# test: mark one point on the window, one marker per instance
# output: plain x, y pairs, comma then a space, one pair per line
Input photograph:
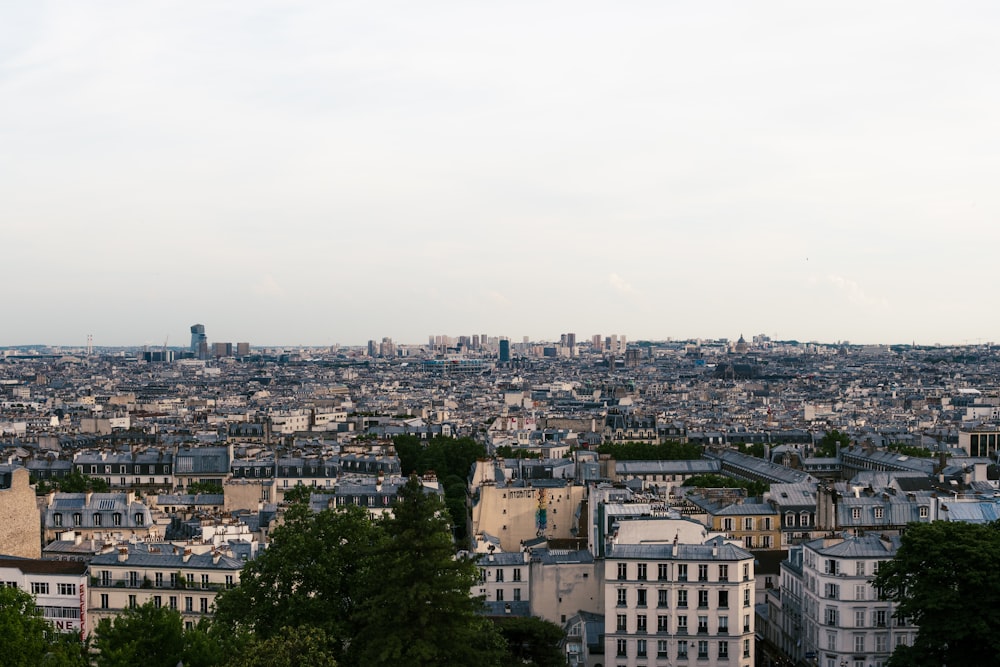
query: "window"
832, 591
860, 592
622, 648
622, 571
661, 648
132, 602
859, 568
499, 595
204, 605
831, 616
859, 618
499, 575
641, 571
859, 643
640, 648
702, 599
878, 618
641, 597
157, 601
77, 519
723, 650
67, 589
748, 523
723, 599
746, 623
158, 579
924, 512
703, 573
189, 604
173, 602
682, 598
881, 643
204, 581
702, 625
662, 598
190, 578
855, 513
746, 597
57, 519
105, 577
746, 648
682, 649
702, 648
173, 580
746, 572
804, 519
662, 623
661, 571
622, 597
831, 641
640, 623
104, 600
140, 520
878, 512
723, 625
727, 524
39, 588
682, 572
517, 574
517, 595
682, 625
133, 579
117, 518
765, 542
723, 573
767, 523
622, 625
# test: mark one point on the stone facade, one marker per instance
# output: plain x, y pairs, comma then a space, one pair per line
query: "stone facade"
20, 522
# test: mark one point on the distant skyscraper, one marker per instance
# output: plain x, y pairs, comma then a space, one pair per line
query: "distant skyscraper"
242, 349
199, 341
504, 351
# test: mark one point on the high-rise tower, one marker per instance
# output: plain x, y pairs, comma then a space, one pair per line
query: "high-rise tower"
199, 341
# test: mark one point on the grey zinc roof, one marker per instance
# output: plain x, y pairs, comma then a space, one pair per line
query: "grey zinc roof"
695, 467
168, 556
865, 546
725, 551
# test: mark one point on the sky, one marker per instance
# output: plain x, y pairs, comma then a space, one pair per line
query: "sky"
319, 173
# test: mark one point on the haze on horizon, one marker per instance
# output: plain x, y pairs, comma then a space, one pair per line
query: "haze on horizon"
314, 173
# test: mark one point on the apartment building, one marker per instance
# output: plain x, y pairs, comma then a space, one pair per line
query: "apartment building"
165, 574
679, 604
59, 588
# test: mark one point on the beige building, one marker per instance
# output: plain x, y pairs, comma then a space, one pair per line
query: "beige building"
19, 516
521, 511
168, 575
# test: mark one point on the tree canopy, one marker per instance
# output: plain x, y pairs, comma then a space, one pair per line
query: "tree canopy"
644, 451
827, 445
944, 580
709, 481
28, 640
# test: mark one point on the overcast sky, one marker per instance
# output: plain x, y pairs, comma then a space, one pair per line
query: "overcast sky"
329, 172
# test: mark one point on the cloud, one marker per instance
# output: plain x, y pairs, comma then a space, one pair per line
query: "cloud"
267, 286
620, 284
854, 293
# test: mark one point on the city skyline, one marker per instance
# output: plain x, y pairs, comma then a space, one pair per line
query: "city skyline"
318, 173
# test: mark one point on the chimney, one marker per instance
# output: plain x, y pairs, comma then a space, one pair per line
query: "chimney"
216, 555
187, 555
122, 554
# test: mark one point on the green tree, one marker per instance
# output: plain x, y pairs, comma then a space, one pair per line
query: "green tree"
289, 647
827, 445
944, 580
146, 635
532, 641
25, 633
418, 610
74, 482
644, 451
310, 575
709, 481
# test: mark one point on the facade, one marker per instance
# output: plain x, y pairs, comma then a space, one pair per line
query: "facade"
111, 517
162, 573
19, 519
59, 587
843, 620
679, 604
504, 577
